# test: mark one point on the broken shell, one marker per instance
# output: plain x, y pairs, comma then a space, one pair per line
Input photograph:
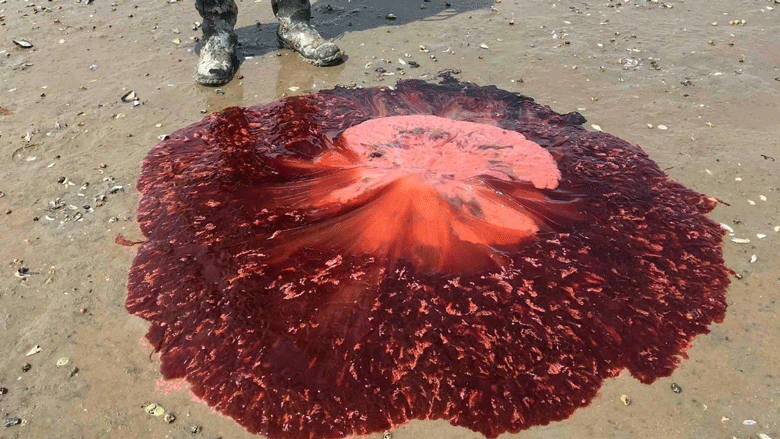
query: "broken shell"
24, 44
154, 409
596, 127
740, 240
726, 227
676, 388
176, 41
760, 235
749, 422
11, 421
625, 399
129, 97
35, 349
484, 46
63, 361
663, 127
387, 435
390, 16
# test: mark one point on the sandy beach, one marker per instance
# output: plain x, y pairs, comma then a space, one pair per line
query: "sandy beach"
696, 84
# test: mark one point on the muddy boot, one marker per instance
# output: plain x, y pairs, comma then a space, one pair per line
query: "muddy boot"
295, 33
218, 61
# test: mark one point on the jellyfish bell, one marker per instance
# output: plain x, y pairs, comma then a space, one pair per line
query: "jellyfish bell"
418, 188
343, 262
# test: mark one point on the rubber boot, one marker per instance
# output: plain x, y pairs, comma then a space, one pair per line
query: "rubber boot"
218, 61
295, 33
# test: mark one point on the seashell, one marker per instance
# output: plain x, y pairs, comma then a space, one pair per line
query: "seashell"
24, 44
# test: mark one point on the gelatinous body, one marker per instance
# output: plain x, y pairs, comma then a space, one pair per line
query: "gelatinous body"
343, 262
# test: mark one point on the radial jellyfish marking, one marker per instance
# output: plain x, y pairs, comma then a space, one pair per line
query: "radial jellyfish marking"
343, 262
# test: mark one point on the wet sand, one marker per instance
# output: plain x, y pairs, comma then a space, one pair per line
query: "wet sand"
715, 88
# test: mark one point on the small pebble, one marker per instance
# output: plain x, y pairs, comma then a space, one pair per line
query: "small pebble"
26, 367
196, 429
760, 235
753, 259
390, 16
169, 418
749, 422
662, 127
387, 435
596, 127
63, 361
740, 240
625, 399
676, 388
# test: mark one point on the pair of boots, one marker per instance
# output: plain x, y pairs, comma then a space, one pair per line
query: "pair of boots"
218, 61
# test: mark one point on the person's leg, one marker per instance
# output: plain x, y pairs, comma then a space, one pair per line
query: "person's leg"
295, 33
218, 61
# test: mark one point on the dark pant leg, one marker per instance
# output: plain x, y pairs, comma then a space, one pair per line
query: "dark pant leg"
218, 15
295, 10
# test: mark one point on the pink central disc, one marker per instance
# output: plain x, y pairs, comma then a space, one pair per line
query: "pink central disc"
423, 189
445, 150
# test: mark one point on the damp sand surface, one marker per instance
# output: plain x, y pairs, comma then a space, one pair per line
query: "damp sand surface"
699, 94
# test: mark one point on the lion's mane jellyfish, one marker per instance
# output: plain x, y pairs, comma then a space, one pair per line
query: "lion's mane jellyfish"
343, 262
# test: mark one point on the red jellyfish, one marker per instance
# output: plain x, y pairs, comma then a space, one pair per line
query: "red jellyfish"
340, 263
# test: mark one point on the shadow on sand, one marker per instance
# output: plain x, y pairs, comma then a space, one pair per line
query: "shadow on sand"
333, 18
